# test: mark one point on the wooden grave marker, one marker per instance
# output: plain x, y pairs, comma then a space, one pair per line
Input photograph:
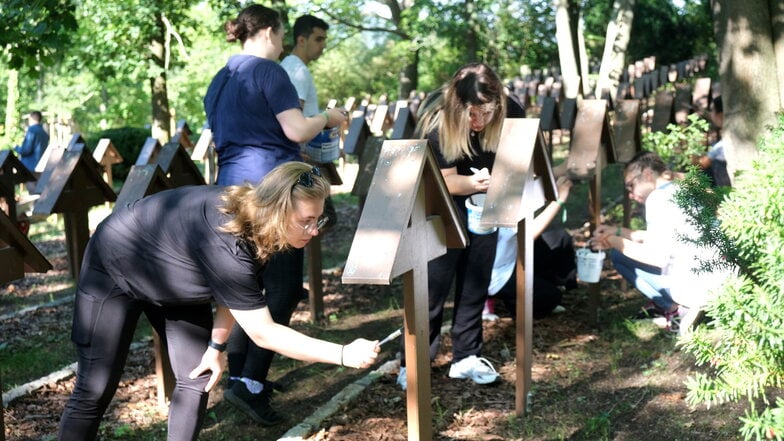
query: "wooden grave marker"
549, 121
403, 128
522, 181
379, 121
568, 113
74, 185
410, 219
662, 111
19, 256
313, 253
358, 132
204, 151
592, 148
177, 164
682, 107
182, 134
51, 158
12, 173
106, 154
148, 152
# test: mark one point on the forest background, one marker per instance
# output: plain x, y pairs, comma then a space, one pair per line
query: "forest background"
93, 65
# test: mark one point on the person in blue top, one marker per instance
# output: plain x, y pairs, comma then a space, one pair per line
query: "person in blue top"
184, 249
35, 142
254, 113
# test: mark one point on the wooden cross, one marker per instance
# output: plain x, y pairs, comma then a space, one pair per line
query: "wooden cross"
521, 182
408, 220
592, 148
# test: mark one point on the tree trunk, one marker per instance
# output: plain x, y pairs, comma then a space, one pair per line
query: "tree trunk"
161, 116
471, 37
619, 30
409, 76
12, 94
566, 52
749, 77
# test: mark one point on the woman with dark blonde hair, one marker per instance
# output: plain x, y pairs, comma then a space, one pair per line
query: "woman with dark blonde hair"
257, 124
169, 256
463, 129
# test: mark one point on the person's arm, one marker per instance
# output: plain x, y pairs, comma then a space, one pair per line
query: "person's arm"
543, 219
28, 144
630, 242
300, 129
213, 359
264, 332
465, 184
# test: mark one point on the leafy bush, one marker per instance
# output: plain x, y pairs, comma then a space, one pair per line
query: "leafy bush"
128, 141
742, 347
679, 143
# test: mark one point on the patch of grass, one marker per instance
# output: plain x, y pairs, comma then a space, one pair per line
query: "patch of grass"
43, 351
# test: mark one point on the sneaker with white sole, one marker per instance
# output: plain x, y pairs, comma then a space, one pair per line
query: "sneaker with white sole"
478, 369
402, 380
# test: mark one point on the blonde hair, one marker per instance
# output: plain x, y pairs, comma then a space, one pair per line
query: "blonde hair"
474, 84
260, 213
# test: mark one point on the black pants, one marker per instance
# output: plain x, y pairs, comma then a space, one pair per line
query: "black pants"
470, 268
282, 282
104, 322
554, 266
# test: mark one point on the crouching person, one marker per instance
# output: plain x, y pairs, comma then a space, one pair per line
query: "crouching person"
169, 256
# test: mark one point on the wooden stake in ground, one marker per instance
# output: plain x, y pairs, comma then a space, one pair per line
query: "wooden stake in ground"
409, 218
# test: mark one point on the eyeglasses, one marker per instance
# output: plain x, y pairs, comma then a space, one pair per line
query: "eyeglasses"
315, 226
306, 178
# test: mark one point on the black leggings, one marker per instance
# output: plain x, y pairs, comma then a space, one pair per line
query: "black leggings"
282, 282
104, 322
470, 269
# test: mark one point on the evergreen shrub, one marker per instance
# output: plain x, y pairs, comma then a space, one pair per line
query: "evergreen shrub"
741, 347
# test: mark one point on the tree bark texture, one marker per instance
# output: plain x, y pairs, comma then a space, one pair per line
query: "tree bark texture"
566, 53
749, 76
619, 30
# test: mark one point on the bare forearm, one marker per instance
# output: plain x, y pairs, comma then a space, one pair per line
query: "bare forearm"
222, 324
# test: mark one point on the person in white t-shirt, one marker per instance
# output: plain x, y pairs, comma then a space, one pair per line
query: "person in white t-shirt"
662, 260
310, 39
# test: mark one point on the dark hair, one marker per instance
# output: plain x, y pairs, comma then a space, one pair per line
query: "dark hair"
36, 115
718, 107
304, 25
646, 160
250, 21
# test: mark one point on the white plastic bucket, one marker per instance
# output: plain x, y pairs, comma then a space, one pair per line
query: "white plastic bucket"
589, 265
474, 205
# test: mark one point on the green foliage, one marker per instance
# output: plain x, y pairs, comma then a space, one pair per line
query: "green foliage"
679, 143
35, 31
743, 346
128, 141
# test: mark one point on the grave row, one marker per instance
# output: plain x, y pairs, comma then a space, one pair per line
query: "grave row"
420, 212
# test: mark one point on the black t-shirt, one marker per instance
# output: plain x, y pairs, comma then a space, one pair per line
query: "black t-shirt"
167, 249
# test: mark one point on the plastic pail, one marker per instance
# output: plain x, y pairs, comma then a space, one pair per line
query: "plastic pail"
325, 147
474, 205
589, 265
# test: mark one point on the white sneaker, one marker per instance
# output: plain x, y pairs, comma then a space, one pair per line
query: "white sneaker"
476, 368
490, 317
402, 380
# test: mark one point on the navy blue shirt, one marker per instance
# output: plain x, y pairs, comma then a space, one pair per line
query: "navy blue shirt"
35, 142
241, 103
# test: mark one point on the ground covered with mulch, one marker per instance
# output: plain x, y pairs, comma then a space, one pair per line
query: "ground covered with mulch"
591, 380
